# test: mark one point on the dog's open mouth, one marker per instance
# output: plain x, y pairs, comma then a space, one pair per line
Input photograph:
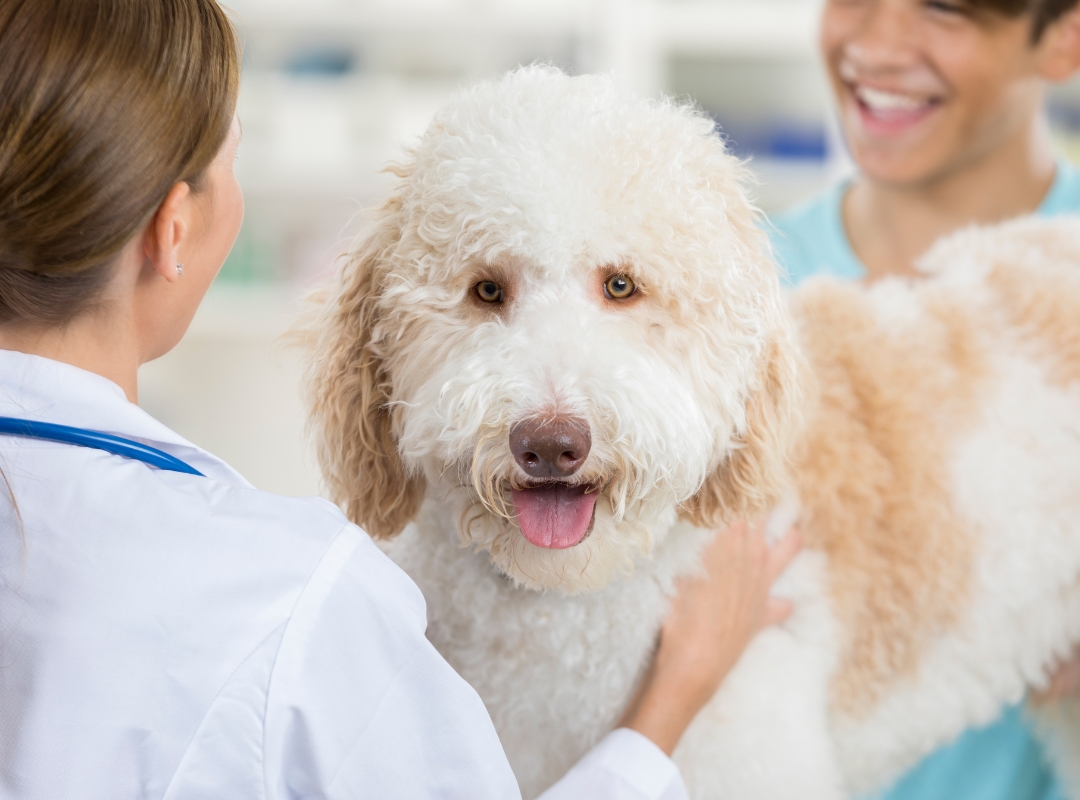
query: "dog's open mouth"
555, 515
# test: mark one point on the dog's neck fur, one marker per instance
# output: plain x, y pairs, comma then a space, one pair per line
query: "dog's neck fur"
676, 543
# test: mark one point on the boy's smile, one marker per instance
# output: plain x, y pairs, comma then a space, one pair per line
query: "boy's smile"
888, 108
926, 88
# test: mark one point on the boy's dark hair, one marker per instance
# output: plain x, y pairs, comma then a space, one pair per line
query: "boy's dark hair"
1044, 13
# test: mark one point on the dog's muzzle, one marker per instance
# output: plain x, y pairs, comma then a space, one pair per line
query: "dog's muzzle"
552, 512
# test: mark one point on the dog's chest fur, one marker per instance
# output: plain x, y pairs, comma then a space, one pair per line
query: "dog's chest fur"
555, 672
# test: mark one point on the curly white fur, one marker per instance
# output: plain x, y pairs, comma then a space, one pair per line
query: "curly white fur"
694, 395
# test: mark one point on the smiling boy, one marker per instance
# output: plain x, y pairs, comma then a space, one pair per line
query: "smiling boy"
941, 104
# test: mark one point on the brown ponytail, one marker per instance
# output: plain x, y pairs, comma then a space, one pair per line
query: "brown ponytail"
104, 106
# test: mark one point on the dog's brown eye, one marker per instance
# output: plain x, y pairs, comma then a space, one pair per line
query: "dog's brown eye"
489, 291
619, 287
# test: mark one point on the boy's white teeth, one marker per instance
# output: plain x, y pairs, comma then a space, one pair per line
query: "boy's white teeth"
878, 100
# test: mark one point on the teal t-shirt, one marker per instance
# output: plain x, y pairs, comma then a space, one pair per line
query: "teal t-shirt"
810, 238
1002, 761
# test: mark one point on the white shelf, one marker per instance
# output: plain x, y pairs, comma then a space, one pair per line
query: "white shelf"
232, 387
314, 148
245, 312
759, 29
358, 21
307, 138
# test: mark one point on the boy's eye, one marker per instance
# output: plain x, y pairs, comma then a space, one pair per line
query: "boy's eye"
489, 291
945, 7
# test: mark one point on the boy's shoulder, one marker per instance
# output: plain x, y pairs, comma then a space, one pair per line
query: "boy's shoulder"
1064, 194
809, 239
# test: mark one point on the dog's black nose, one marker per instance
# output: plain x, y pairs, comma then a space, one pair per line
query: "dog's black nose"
553, 447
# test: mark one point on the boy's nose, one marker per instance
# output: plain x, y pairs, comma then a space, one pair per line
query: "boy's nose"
885, 40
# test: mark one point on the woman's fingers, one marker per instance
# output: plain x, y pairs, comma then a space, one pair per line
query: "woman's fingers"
783, 552
740, 562
712, 618
777, 610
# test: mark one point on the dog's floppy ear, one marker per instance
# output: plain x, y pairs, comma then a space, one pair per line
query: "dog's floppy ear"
349, 392
752, 478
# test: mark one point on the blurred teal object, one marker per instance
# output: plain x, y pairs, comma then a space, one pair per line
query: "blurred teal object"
252, 260
1000, 762
321, 62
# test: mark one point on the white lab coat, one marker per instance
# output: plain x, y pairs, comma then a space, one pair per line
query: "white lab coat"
169, 636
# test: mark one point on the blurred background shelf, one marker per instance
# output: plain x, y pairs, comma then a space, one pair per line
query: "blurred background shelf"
763, 29
231, 386
332, 91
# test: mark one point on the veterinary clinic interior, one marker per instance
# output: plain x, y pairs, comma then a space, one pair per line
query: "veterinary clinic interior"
558, 399
333, 90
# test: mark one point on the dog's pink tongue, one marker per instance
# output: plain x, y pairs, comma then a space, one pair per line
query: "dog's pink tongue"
554, 516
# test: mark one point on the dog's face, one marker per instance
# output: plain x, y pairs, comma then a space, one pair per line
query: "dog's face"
566, 324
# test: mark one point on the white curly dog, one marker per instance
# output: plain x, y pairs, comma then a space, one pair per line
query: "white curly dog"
562, 358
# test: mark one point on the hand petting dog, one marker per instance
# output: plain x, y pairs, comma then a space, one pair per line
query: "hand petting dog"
712, 620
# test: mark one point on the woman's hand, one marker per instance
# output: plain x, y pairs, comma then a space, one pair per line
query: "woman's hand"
712, 620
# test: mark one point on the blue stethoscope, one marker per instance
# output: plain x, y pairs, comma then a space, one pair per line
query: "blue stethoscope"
30, 429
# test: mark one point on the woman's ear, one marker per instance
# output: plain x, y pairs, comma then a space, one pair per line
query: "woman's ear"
1058, 51
350, 390
166, 233
753, 477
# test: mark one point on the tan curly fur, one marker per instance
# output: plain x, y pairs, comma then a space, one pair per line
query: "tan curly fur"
872, 474
349, 396
754, 476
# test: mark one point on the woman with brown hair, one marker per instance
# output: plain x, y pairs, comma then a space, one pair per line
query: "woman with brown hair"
165, 629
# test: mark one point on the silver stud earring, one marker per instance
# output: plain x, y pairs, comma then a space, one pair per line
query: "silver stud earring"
180, 270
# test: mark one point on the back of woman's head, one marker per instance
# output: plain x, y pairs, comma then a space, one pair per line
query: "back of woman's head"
104, 106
